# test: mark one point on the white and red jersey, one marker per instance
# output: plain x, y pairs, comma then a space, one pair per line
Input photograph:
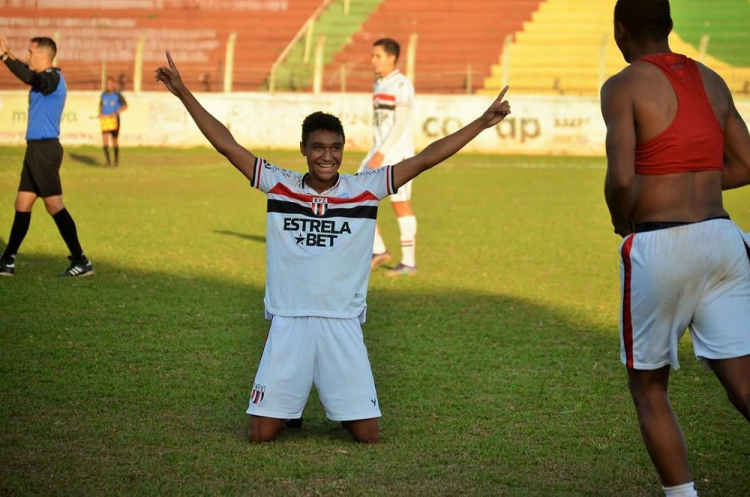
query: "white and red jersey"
319, 245
389, 92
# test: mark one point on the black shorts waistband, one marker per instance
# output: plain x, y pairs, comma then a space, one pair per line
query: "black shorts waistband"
663, 225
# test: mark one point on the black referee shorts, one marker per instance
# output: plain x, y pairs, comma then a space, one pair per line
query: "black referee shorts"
41, 168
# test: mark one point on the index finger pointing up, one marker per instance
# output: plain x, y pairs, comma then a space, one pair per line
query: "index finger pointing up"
502, 93
171, 62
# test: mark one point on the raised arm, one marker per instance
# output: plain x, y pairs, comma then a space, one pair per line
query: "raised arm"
619, 183
18, 68
438, 151
216, 133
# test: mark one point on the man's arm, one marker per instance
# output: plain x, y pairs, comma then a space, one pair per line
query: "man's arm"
123, 103
44, 82
216, 133
736, 151
400, 123
619, 183
438, 151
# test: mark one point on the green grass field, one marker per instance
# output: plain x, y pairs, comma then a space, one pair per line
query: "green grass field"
497, 366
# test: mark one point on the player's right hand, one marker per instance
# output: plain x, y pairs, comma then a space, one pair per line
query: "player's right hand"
170, 76
497, 111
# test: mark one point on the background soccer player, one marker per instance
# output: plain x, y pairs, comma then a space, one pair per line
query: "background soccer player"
674, 140
40, 176
111, 105
392, 142
319, 242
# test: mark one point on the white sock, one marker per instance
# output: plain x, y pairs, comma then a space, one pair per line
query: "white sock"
408, 227
379, 246
684, 490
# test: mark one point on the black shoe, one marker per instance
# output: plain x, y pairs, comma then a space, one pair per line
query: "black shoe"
78, 268
7, 267
293, 423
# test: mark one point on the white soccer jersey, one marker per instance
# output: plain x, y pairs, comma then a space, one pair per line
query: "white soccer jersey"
392, 91
318, 245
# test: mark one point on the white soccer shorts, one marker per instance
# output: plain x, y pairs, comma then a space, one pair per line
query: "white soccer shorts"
404, 193
696, 277
304, 351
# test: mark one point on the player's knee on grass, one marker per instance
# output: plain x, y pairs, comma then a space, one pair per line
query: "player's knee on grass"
364, 430
264, 429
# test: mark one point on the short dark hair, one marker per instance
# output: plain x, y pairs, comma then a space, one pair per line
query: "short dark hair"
390, 46
45, 42
645, 19
321, 120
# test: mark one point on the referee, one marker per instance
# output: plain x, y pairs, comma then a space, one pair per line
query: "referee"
40, 176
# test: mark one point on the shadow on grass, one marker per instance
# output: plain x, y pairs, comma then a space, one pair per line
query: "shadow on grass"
245, 236
86, 160
137, 382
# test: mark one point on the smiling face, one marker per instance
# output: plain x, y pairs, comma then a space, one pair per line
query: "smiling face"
324, 151
38, 58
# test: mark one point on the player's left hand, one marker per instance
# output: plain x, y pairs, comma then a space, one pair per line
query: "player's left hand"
376, 161
4, 48
497, 111
170, 76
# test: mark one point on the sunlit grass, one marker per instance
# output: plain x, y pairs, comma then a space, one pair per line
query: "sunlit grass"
497, 366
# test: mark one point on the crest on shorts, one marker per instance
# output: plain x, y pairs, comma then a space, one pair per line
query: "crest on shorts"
259, 391
319, 205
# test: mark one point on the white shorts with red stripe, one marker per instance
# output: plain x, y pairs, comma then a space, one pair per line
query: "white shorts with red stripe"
696, 277
329, 353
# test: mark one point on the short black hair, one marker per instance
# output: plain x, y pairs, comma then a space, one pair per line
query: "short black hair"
390, 46
321, 120
645, 19
45, 42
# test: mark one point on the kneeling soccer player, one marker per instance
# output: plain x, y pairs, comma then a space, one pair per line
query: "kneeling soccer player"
320, 228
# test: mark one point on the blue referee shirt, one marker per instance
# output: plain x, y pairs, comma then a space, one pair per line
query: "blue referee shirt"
45, 107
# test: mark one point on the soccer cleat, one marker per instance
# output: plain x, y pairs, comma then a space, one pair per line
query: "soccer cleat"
402, 270
378, 259
293, 423
7, 267
78, 268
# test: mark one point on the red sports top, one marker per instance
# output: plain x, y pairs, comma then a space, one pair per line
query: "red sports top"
694, 140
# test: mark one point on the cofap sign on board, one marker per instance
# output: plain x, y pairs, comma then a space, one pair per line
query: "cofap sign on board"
538, 125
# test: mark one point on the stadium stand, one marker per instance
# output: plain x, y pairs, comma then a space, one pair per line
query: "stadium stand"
567, 48
90, 32
725, 22
336, 27
558, 46
457, 42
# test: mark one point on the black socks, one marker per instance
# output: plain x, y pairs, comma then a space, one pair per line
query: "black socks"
67, 228
17, 233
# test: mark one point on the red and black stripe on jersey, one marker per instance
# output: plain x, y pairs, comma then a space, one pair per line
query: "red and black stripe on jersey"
383, 101
301, 204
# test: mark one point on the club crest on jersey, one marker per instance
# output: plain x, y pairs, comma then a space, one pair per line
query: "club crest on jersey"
319, 205
259, 391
